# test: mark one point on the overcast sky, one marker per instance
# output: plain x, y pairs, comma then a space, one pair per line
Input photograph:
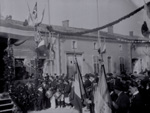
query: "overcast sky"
80, 13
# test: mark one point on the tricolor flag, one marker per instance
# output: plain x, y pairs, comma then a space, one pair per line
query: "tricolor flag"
42, 50
146, 24
102, 98
78, 91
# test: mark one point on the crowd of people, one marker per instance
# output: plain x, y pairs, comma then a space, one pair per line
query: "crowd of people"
129, 93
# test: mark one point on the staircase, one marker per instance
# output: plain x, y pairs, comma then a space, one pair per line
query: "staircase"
6, 103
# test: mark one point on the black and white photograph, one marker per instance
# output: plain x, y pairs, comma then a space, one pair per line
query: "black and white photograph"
74, 56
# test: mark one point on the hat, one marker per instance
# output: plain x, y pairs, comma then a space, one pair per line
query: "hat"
118, 85
134, 84
145, 81
87, 76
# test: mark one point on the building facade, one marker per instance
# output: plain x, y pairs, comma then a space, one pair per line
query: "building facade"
117, 57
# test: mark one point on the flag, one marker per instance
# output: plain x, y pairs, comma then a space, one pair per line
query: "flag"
28, 63
42, 50
102, 98
104, 49
46, 68
78, 91
32, 16
52, 48
34, 13
146, 24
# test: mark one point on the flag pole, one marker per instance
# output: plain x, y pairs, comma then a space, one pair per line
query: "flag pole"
80, 77
37, 55
100, 60
0, 11
49, 22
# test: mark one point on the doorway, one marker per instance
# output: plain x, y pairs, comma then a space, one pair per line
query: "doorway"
71, 66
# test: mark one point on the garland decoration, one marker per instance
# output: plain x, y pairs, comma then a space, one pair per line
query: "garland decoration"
50, 28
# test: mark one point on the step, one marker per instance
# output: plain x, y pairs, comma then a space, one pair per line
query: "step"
1, 99
4, 95
10, 106
5, 101
7, 110
6, 104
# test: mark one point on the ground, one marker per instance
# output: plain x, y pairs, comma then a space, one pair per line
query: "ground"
59, 110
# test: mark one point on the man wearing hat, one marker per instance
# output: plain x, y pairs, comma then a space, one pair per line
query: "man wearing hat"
137, 104
121, 105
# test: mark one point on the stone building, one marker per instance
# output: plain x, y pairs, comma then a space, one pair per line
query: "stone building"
117, 58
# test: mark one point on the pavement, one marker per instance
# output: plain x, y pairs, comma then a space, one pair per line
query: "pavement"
59, 110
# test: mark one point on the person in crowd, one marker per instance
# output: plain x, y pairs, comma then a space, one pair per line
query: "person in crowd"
62, 87
145, 93
67, 90
87, 84
40, 98
121, 105
49, 94
57, 98
136, 101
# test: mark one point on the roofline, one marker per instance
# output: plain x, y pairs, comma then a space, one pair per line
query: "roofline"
15, 29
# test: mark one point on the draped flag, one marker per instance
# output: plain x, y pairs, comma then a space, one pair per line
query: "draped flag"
42, 50
146, 24
102, 98
28, 63
104, 49
78, 91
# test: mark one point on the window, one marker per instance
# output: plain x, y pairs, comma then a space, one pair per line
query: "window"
120, 47
115, 67
96, 64
109, 64
74, 44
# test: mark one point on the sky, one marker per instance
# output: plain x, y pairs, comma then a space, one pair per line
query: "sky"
80, 13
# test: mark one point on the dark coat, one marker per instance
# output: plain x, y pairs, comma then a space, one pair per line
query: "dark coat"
67, 90
137, 104
87, 83
123, 103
